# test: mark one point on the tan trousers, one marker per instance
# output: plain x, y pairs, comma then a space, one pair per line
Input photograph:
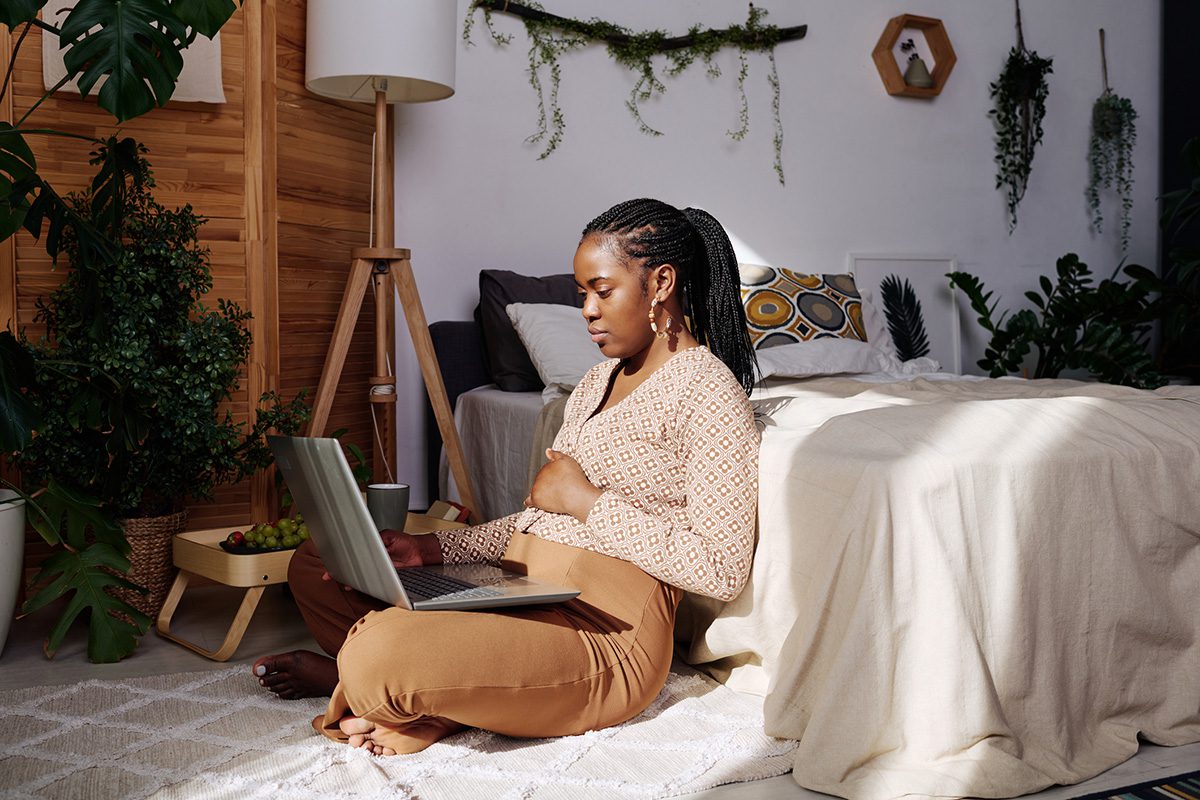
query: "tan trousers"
544, 670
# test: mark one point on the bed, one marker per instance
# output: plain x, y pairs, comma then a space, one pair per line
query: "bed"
961, 587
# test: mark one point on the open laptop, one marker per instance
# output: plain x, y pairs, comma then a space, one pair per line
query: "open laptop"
325, 492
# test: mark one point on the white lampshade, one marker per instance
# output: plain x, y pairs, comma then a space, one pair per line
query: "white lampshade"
410, 43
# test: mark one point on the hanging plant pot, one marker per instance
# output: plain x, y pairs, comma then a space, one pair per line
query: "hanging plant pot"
1110, 153
1019, 95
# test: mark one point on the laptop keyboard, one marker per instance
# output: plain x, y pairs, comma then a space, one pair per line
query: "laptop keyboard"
425, 584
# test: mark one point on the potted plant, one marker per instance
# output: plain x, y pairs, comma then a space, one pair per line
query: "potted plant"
139, 316
1110, 152
1019, 94
916, 73
1077, 325
134, 326
92, 552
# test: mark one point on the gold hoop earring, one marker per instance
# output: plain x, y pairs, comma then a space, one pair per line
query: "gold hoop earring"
654, 325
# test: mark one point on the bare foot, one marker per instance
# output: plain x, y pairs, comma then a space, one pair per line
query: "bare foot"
384, 740
300, 673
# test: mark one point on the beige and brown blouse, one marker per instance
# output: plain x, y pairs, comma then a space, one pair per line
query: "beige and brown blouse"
677, 463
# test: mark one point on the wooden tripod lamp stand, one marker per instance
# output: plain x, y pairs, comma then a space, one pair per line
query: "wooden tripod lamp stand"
384, 51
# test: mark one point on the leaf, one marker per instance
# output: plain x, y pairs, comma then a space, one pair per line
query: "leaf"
83, 575
136, 45
60, 507
19, 417
18, 12
905, 322
17, 166
205, 16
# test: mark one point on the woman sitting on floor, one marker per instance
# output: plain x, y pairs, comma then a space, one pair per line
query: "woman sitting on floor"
651, 490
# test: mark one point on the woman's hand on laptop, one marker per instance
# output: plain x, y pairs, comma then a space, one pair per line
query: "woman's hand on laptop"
406, 550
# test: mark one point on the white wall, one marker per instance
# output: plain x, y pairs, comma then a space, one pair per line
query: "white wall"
866, 172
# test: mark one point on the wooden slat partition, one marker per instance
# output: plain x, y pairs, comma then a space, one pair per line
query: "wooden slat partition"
283, 177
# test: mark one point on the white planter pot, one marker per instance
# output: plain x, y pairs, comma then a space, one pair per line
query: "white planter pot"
12, 557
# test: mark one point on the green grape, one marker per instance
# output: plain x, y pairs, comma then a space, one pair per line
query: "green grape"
291, 541
302, 532
271, 541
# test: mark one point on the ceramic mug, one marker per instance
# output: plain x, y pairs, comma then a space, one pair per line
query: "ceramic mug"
388, 504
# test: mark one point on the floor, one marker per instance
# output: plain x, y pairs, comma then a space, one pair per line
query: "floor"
205, 614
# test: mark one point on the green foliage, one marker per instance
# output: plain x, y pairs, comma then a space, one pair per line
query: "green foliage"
18, 414
1019, 95
1176, 292
1076, 325
136, 46
137, 320
1110, 157
906, 323
19, 12
113, 625
553, 36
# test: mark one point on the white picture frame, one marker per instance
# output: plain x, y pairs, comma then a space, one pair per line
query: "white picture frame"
939, 302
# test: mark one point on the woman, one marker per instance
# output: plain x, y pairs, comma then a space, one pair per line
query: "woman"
650, 490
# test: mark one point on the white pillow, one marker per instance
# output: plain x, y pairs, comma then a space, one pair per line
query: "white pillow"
875, 323
557, 341
828, 356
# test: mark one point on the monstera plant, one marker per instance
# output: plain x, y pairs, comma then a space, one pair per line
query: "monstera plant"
136, 46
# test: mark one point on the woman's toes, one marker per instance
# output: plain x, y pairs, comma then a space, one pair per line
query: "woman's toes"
353, 725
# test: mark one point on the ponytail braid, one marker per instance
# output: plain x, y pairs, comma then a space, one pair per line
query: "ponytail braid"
652, 233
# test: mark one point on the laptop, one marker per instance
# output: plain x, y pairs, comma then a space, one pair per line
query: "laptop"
324, 490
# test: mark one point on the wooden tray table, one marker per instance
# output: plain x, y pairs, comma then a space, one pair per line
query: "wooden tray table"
199, 554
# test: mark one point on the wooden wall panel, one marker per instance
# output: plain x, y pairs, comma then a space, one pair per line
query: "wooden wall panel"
283, 177
323, 157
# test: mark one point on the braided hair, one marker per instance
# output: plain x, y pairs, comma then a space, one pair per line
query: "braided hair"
651, 233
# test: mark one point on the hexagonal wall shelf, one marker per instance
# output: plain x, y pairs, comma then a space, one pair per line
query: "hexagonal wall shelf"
939, 47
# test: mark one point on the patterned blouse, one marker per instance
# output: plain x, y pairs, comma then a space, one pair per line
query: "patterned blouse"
677, 463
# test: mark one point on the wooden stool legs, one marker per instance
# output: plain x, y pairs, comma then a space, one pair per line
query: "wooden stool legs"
236, 629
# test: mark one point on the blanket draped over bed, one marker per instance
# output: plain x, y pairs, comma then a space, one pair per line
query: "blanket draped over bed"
967, 588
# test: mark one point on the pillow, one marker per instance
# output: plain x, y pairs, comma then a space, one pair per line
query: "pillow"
507, 360
556, 338
827, 356
875, 324
785, 307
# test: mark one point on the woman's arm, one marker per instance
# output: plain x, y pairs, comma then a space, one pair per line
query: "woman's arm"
479, 544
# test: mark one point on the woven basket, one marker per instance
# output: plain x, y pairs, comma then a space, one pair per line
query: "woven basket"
150, 559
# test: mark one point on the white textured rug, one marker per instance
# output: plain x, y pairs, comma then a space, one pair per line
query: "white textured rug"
218, 735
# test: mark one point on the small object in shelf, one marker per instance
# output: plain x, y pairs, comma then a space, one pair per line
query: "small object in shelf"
909, 84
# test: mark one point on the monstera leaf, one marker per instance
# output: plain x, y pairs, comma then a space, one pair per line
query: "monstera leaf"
18, 12
17, 166
136, 45
113, 625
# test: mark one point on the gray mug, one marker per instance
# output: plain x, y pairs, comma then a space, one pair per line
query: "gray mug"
388, 504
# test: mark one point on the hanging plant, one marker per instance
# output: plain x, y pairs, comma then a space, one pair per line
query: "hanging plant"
551, 36
1110, 152
1020, 105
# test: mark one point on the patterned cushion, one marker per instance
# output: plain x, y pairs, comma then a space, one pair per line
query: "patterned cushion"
783, 307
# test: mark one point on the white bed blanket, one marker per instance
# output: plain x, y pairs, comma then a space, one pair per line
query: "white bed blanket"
968, 588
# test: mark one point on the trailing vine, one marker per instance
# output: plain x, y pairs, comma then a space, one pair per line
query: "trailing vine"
1020, 105
551, 36
1110, 152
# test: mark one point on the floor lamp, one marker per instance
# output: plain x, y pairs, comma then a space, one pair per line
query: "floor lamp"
382, 52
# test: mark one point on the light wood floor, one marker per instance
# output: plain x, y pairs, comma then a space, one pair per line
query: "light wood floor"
205, 615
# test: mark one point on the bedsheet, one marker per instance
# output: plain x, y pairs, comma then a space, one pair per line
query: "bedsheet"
967, 588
